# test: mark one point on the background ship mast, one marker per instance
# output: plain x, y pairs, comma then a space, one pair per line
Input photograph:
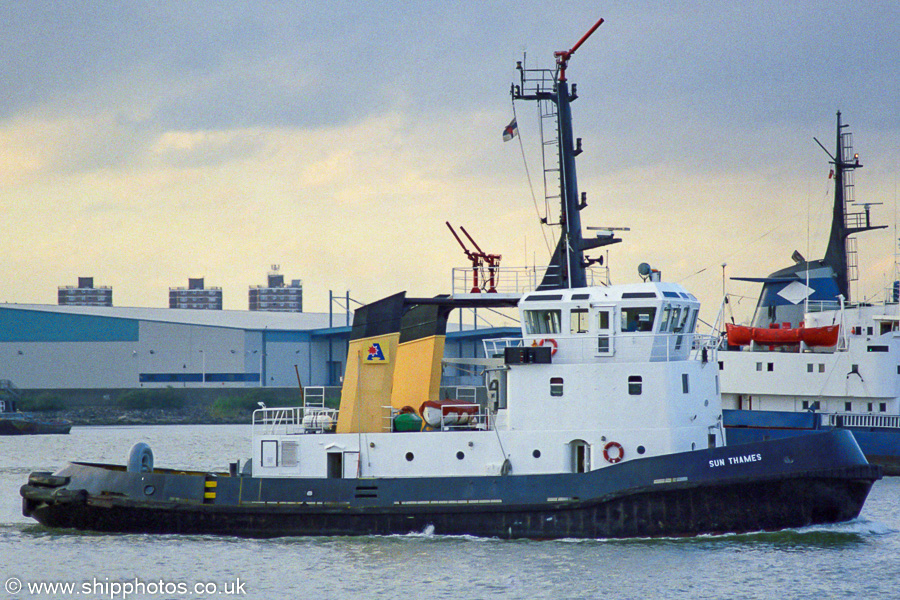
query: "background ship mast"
567, 268
840, 254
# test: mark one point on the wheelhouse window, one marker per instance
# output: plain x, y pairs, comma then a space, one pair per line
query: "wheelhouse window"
664, 321
677, 319
579, 320
638, 318
540, 322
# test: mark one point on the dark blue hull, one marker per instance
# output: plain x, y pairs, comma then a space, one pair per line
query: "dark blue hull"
880, 446
763, 486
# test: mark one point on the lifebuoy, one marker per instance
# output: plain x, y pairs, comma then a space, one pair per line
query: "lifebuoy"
619, 452
551, 342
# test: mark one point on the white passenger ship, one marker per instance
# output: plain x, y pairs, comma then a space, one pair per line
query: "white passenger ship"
777, 381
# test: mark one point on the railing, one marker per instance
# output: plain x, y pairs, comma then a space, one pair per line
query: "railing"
862, 420
456, 420
494, 347
657, 347
814, 306
312, 417
277, 421
314, 397
514, 280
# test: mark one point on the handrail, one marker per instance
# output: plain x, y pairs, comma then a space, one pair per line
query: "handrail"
517, 280
655, 346
862, 420
293, 420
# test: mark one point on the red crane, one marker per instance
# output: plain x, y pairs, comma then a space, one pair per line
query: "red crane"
479, 259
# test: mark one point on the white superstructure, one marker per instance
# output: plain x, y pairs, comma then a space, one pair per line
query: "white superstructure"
600, 375
860, 374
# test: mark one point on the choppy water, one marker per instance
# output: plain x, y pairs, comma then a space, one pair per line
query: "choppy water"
853, 560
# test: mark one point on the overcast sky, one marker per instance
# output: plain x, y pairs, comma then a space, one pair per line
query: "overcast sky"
143, 143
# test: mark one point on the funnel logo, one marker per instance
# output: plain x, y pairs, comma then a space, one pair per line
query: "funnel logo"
375, 353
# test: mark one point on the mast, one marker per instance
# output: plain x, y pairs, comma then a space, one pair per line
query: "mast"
567, 268
843, 223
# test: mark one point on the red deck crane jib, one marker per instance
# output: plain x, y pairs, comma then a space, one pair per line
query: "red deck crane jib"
479, 259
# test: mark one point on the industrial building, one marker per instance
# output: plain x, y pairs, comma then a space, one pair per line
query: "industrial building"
48, 347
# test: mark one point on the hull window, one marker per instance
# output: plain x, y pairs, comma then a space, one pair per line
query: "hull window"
635, 385
556, 386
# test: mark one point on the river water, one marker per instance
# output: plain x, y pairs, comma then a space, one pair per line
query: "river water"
853, 560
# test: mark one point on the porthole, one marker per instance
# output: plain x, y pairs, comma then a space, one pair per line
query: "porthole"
536, 454
460, 455
641, 449
148, 490
409, 456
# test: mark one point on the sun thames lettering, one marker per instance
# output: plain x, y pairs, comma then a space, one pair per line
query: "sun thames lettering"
735, 460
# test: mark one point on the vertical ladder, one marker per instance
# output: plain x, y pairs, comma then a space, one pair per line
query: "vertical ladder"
541, 83
851, 220
852, 261
550, 152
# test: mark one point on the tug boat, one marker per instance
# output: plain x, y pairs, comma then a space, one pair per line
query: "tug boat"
14, 422
814, 359
602, 420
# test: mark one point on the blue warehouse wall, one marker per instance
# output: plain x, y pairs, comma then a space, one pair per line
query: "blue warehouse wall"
18, 325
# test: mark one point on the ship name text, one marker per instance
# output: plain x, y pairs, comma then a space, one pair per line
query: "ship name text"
735, 460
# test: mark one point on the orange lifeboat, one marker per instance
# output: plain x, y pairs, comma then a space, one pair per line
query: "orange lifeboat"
739, 335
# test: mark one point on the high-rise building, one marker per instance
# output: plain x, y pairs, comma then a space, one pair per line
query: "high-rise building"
276, 296
195, 296
85, 294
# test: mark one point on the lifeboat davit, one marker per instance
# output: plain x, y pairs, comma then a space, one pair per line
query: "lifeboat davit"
775, 335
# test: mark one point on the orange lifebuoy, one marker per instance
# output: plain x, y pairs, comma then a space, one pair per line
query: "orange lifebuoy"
550, 341
620, 452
